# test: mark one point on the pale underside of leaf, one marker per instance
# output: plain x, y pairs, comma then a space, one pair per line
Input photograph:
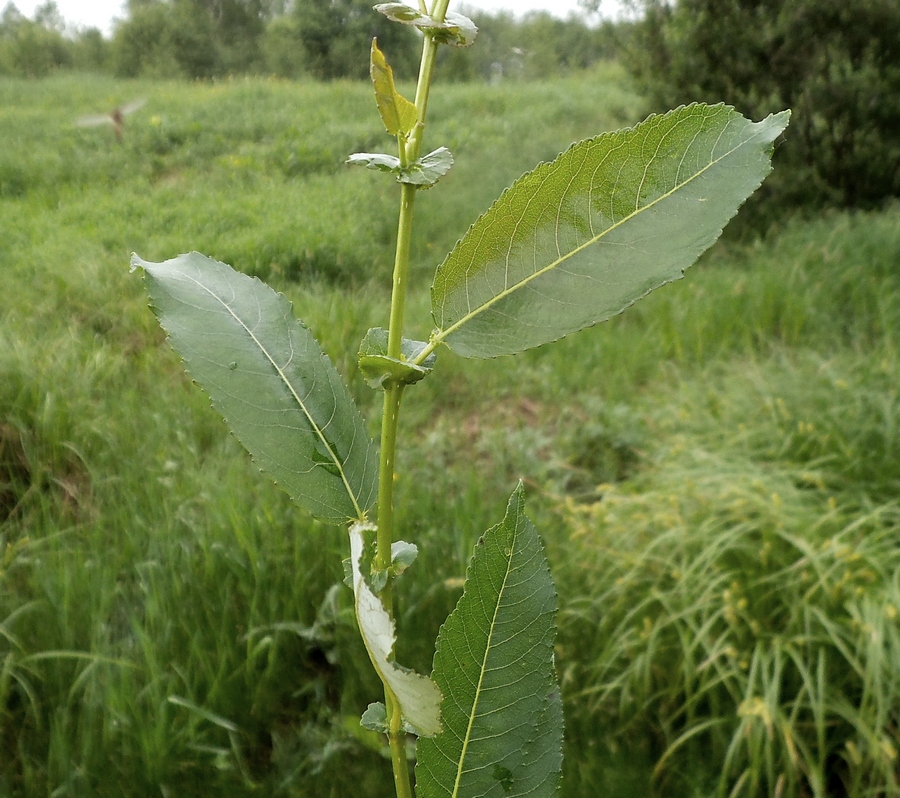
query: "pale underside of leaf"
423, 172
501, 713
265, 373
419, 697
579, 239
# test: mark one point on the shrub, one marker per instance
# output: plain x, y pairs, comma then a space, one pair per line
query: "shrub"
28, 49
837, 65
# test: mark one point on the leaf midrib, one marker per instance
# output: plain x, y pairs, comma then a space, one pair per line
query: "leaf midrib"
471, 723
287, 382
442, 334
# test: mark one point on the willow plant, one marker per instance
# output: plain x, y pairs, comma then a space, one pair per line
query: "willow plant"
566, 246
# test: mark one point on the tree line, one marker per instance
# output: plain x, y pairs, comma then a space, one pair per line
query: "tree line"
323, 39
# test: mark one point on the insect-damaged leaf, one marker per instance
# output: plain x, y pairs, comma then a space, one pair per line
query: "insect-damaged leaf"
267, 376
579, 239
419, 697
501, 712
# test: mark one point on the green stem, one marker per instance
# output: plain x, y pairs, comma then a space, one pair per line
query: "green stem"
423, 88
393, 394
397, 742
389, 418
401, 269
433, 344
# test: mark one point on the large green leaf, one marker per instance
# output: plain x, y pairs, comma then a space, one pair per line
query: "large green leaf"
501, 713
266, 374
579, 239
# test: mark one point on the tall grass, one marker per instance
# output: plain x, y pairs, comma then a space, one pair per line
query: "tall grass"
715, 471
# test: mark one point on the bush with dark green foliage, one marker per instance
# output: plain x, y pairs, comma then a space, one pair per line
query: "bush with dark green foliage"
189, 38
837, 65
32, 48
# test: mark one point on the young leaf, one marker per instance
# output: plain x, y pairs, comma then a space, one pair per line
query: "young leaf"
376, 160
400, 12
501, 713
403, 555
267, 376
428, 169
579, 239
381, 370
419, 697
456, 29
375, 719
424, 172
398, 114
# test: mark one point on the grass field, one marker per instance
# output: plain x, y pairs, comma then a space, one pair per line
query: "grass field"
715, 472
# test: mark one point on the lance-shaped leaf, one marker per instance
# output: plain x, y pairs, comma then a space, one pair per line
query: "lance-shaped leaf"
501, 713
579, 239
419, 697
267, 376
398, 114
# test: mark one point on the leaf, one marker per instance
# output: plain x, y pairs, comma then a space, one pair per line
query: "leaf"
400, 12
376, 160
494, 665
267, 376
381, 370
580, 239
375, 719
456, 29
398, 114
425, 171
403, 555
419, 697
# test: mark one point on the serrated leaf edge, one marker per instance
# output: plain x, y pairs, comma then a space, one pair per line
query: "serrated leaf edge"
138, 262
423, 711
516, 505
441, 334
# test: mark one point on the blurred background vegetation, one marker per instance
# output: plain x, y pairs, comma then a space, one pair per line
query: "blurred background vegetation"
215, 38
715, 473
835, 65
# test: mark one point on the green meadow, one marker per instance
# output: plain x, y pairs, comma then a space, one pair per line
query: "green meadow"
715, 472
